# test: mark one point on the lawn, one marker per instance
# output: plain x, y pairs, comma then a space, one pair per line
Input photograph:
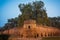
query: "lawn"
51, 38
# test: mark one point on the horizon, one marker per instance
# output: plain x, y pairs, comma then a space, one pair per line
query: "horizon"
9, 9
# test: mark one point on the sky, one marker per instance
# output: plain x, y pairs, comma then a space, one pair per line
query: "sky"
9, 9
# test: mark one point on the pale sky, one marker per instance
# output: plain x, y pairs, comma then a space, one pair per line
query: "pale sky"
9, 9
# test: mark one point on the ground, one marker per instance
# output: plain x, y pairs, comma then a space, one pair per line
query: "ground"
41, 38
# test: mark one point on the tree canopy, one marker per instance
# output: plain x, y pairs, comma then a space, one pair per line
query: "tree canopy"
35, 10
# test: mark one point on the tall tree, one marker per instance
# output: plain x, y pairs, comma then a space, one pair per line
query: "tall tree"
34, 11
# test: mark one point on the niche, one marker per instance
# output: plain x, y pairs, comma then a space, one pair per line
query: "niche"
37, 35
28, 27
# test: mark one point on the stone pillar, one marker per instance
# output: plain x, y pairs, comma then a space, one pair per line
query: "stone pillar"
40, 35
43, 34
46, 34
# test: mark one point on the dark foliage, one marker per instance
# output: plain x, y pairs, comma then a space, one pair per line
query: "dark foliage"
55, 21
4, 37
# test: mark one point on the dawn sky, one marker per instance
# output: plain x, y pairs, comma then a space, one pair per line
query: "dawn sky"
9, 9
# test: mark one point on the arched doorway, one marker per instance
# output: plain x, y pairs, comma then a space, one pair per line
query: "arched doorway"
37, 35
28, 27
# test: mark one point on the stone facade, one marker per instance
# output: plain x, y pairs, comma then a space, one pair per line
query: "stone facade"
31, 29
29, 24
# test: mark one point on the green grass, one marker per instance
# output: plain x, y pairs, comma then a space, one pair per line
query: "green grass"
42, 38
51, 38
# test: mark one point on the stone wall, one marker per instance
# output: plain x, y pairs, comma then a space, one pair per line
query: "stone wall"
31, 29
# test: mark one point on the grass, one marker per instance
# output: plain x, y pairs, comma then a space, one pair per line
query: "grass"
41, 38
51, 38
5, 37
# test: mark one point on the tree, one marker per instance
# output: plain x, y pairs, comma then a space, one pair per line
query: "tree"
34, 11
55, 21
13, 22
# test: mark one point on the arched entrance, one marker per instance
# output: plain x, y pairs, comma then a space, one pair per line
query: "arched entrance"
28, 27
